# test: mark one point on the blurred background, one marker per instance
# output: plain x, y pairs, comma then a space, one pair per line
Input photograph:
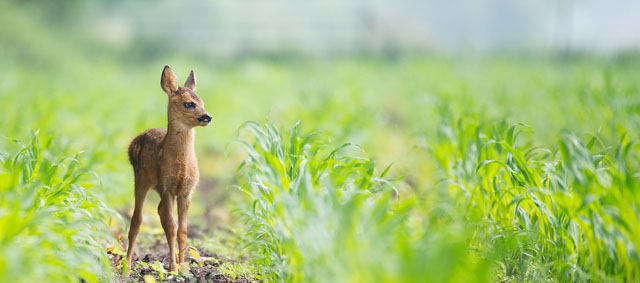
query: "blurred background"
333, 28
383, 74
358, 70
89, 69
146, 30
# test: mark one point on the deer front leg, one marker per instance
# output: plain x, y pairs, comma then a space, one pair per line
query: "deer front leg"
183, 209
165, 210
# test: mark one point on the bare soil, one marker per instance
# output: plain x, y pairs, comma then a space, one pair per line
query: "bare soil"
158, 251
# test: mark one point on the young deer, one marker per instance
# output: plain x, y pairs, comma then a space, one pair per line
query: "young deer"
165, 160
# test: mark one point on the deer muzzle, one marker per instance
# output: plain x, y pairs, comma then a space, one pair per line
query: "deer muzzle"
204, 119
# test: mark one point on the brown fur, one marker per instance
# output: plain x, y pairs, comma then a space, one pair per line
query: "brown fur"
165, 160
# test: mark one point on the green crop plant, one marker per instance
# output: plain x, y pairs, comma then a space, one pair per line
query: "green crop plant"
564, 214
52, 228
315, 212
321, 213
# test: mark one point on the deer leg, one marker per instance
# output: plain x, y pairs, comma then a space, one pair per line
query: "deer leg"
165, 210
134, 227
183, 209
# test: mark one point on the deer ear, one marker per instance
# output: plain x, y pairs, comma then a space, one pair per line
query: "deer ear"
191, 81
169, 81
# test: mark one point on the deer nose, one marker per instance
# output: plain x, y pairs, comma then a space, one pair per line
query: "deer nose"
206, 118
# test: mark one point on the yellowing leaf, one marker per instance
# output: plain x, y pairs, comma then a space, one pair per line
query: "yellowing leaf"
193, 252
149, 279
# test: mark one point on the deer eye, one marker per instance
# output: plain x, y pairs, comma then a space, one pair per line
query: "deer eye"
190, 105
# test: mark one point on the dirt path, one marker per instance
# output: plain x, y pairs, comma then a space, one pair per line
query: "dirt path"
151, 262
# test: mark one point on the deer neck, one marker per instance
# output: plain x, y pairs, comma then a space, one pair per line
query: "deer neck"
179, 141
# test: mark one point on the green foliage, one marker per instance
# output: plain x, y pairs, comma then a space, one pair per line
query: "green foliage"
319, 213
481, 199
52, 227
563, 214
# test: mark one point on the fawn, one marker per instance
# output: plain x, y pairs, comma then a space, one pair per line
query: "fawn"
165, 160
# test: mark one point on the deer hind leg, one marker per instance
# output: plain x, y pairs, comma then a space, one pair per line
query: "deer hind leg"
165, 210
141, 189
183, 208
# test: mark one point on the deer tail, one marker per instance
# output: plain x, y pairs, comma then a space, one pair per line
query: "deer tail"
135, 149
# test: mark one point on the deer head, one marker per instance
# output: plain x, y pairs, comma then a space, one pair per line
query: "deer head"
186, 109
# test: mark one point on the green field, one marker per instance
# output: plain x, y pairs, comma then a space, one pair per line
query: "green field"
350, 169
